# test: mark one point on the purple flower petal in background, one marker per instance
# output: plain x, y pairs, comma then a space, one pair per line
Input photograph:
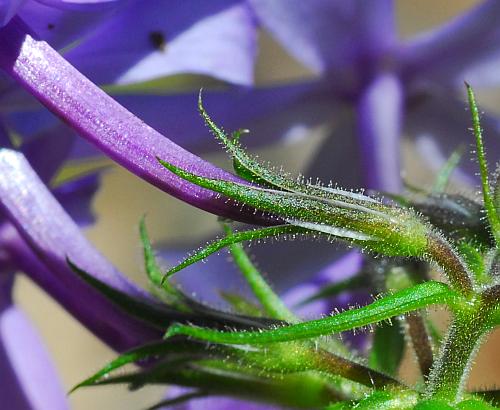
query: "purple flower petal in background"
76, 196
440, 124
8, 9
29, 379
338, 158
448, 55
366, 50
167, 37
379, 127
272, 113
329, 35
60, 22
47, 151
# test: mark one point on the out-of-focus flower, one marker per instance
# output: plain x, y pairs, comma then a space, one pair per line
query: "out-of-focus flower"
371, 87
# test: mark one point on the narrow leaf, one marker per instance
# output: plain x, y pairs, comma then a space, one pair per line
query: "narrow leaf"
401, 302
172, 296
152, 269
489, 204
132, 356
233, 239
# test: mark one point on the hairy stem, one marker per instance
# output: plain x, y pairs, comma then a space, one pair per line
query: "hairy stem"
454, 267
448, 377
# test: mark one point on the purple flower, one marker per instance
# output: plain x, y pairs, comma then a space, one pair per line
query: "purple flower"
392, 86
25, 365
38, 252
368, 70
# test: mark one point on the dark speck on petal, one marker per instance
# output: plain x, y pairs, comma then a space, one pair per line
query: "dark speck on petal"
157, 39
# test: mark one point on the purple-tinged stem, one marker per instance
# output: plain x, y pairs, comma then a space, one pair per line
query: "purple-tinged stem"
101, 120
379, 114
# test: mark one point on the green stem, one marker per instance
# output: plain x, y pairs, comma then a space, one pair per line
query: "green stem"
448, 377
269, 300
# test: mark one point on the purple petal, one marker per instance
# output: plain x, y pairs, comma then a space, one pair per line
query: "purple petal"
484, 73
29, 379
8, 9
440, 124
60, 23
379, 125
49, 236
29, 121
100, 119
216, 38
328, 35
282, 112
445, 54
